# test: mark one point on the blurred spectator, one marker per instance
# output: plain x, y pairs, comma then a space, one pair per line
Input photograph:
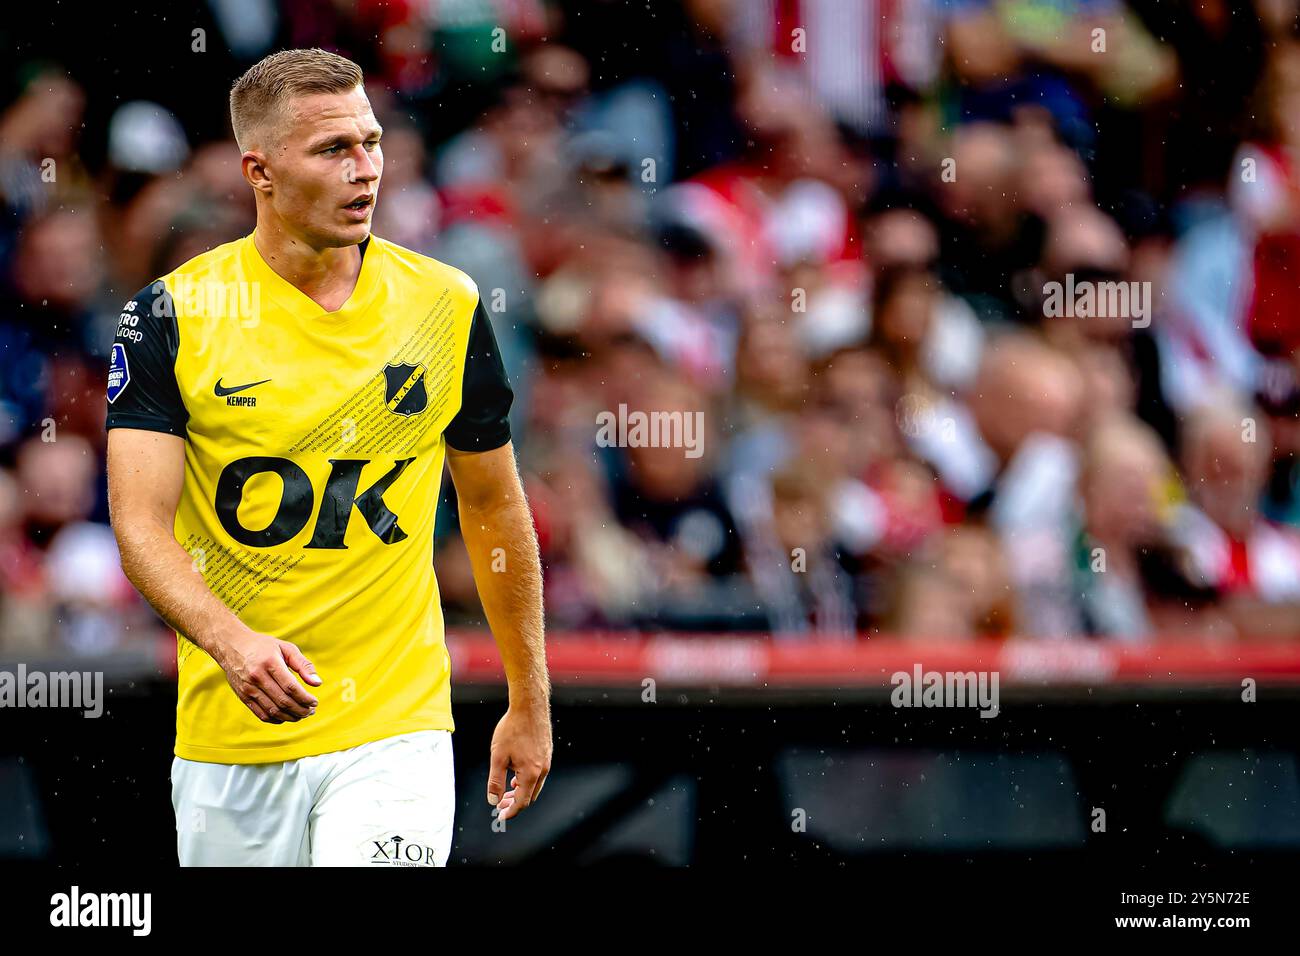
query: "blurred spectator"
1235, 549
824, 230
1125, 498
63, 571
961, 593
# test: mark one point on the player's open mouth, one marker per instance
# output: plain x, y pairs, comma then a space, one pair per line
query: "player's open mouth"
361, 203
360, 208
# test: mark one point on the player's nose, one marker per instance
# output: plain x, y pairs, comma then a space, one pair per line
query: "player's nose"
367, 171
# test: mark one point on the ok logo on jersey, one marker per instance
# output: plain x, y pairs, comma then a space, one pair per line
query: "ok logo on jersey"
297, 501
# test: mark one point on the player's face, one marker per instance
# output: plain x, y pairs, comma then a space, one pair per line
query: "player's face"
326, 168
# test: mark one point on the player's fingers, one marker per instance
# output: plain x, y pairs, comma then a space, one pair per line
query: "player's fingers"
541, 782
527, 785
521, 796
257, 701
506, 802
511, 805
301, 695
283, 688
295, 659
496, 785
280, 703
255, 707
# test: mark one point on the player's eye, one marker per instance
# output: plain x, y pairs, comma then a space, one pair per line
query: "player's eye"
333, 149
371, 144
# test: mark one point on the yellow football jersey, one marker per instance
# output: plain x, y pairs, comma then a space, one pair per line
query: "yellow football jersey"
313, 462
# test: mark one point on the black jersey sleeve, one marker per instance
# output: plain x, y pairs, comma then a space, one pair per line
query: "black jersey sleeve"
483, 421
142, 388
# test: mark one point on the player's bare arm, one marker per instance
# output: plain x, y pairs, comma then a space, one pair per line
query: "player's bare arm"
494, 514
145, 478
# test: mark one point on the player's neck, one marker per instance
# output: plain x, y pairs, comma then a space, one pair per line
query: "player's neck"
327, 276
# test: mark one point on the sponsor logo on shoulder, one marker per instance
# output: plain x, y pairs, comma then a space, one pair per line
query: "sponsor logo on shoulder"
119, 372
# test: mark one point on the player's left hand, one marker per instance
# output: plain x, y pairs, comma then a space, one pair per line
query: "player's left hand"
522, 742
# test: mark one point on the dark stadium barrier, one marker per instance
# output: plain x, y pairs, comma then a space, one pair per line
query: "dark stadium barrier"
680, 749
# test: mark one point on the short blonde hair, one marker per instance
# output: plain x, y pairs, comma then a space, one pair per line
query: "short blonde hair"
259, 95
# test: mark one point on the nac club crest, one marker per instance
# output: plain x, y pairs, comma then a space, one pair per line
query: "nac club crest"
404, 391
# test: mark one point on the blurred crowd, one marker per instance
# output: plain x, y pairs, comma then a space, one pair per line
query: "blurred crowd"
829, 226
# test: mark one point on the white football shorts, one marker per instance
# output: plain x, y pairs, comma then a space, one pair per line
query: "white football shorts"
390, 802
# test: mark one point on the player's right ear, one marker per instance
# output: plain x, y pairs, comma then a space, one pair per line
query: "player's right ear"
253, 166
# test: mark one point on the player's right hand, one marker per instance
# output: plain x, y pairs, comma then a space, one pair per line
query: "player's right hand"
260, 670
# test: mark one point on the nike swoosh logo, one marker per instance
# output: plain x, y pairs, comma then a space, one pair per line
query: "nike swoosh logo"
221, 392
